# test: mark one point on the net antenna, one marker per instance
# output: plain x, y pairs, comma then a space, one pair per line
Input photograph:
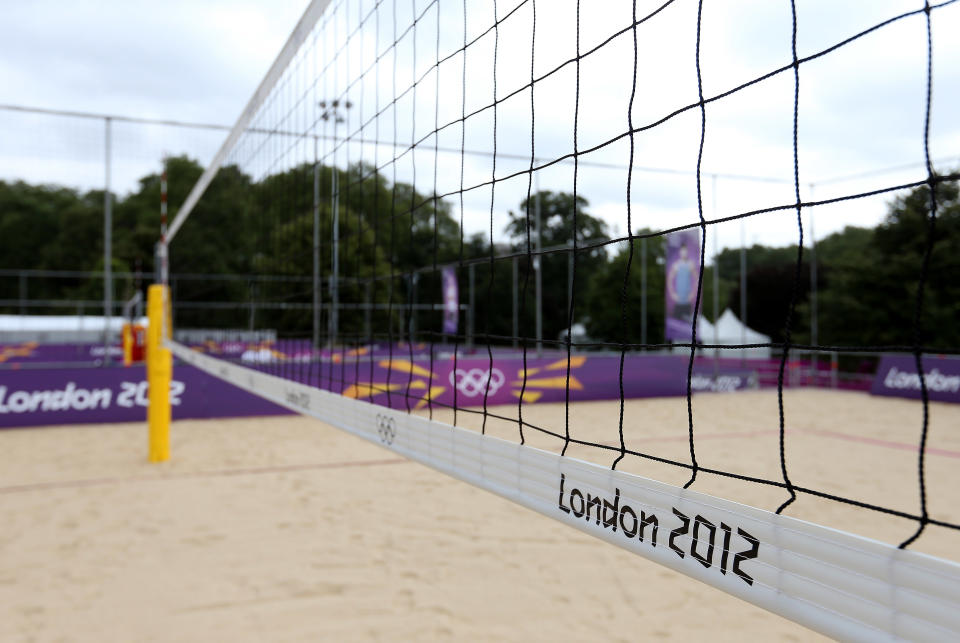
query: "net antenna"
377, 170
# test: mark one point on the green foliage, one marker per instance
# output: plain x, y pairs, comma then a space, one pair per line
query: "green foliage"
615, 312
870, 295
557, 211
606, 303
49, 227
557, 217
867, 279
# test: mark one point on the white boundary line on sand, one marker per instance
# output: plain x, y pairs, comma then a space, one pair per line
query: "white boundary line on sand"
842, 585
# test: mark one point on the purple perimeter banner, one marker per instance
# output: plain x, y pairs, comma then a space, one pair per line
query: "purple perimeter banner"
32, 352
897, 376
402, 384
33, 397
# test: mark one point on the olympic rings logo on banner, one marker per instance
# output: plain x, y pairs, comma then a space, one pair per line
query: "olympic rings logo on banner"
386, 428
473, 382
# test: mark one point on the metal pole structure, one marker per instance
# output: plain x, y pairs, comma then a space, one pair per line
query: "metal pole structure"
316, 246
743, 291
253, 305
138, 287
815, 355
367, 313
107, 245
414, 277
643, 291
470, 317
538, 266
834, 368
23, 292
716, 285
162, 255
336, 118
570, 279
516, 303
335, 278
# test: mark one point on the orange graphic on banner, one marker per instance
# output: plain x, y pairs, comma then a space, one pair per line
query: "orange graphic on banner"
548, 382
357, 391
575, 362
552, 382
405, 366
528, 396
24, 350
431, 394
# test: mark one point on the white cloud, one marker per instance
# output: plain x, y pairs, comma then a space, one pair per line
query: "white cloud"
177, 60
861, 107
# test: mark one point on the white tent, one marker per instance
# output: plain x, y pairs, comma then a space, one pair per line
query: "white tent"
729, 330
59, 328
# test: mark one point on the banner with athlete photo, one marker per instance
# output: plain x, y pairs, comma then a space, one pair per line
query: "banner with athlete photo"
451, 301
683, 270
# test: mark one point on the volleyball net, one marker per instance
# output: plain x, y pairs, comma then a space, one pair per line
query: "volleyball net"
408, 190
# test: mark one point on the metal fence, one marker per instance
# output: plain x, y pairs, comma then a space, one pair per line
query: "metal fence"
112, 152
87, 151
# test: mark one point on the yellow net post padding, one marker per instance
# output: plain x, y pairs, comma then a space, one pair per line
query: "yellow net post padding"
159, 373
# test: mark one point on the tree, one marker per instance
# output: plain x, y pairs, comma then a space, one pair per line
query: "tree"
609, 310
771, 273
557, 211
606, 303
870, 295
867, 278
52, 228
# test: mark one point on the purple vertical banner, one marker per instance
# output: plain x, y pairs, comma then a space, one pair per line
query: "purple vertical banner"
451, 301
683, 270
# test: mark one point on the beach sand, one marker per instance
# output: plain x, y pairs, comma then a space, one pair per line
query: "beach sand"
285, 529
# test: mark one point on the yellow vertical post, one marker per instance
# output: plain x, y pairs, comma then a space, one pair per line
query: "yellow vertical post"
159, 373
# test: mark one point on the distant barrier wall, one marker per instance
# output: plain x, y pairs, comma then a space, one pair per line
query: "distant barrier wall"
897, 377
404, 384
32, 394
36, 397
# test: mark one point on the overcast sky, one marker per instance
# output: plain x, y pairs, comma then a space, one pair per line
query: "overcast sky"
185, 60
861, 107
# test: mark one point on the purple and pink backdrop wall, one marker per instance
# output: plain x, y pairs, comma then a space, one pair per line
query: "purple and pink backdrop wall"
33, 393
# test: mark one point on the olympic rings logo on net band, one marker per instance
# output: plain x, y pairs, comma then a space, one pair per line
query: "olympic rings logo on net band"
386, 428
472, 382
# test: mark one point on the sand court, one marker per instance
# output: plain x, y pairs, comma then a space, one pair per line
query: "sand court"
284, 528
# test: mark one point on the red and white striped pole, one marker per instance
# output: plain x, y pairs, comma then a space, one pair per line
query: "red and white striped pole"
163, 228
